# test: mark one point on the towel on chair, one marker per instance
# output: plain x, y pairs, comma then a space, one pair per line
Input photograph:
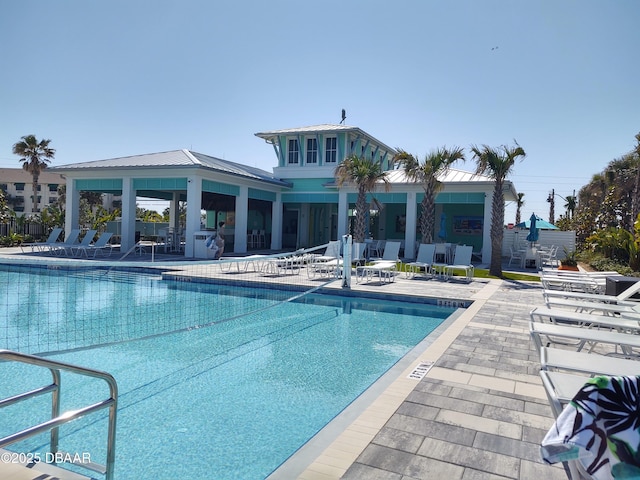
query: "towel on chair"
211, 243
600, 428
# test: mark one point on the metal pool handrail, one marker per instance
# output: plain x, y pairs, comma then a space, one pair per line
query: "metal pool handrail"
56, 418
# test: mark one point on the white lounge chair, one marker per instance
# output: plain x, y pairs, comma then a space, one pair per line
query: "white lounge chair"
331, 252
541, 331
100, 245
461, 261
423, 261
384, 270
357, 254
41, 246
586, 363
86, 241
391, 253
58, 248
623, 298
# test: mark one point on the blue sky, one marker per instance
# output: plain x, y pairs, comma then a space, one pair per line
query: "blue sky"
119, 78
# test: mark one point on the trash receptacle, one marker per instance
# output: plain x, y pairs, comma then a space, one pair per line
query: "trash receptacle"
200, 249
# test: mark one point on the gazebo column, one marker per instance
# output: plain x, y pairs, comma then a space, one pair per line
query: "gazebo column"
72, 216
410, 226
486, 228
128, 230
194, 205
276, 223
242, 221
343, 213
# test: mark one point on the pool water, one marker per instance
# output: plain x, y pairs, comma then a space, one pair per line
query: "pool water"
233, 398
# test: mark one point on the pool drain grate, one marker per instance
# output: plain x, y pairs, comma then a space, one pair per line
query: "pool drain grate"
421, 370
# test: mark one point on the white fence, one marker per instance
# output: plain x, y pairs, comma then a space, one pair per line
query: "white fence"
514, 237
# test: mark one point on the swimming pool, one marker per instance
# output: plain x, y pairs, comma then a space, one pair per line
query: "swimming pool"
210, 393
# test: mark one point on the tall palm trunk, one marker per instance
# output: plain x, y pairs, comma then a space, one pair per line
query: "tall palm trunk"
360, 226
34, 183
497, 229
427, 217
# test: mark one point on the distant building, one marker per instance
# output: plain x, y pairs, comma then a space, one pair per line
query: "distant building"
17, 184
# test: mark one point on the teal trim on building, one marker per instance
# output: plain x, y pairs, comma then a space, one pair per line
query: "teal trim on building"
223, 188
309, 184
382, 197
310, 197
262, 195
160, 183
106, 185
458, 197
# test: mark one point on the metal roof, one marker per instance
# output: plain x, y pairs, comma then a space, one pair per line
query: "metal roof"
175, 159
453, 175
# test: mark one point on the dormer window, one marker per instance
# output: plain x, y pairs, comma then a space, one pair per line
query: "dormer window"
331, 150
312, 150
294, 152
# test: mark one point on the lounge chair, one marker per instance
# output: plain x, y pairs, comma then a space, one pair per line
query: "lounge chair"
86, 241
423, 261
41, 246
586, 363
331, 252
384, 270
391, 253
461, 261
100, 245
623, 298
582, 336
58, 248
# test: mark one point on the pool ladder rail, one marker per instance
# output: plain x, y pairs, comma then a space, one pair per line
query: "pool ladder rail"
58, 419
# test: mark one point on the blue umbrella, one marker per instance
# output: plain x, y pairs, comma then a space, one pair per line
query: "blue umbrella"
533, 231
443, 227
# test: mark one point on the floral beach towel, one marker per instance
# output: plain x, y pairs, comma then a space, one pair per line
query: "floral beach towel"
600, 428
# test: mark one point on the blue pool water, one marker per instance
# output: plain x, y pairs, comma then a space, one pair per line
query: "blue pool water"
211, 393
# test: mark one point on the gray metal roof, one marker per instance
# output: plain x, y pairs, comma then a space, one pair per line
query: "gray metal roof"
323, 128
175, 159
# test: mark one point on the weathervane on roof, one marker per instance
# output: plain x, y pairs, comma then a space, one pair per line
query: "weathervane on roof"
344, 116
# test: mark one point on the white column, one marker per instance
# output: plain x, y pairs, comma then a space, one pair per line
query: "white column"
72, 208
486, 228
128, 230
242, 214
276, 223
194, 205
343, 213
410, 226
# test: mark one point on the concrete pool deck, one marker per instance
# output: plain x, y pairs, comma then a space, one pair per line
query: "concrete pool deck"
479, 412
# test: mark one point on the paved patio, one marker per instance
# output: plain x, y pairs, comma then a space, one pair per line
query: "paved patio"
480, 412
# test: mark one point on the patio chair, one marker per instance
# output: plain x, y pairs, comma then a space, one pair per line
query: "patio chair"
100, 245
391, 252
517, 255
623, 298
384, 270
554, 359
331, 252
423, 261
357, 254
86, 241
58, 248
461, 261
40, 246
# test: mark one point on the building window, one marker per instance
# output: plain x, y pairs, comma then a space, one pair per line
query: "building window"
331, 150
312, 150
293, 151
53, 187
19, 187
53, 199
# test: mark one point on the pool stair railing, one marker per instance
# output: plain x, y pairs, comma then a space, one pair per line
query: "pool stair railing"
57, 419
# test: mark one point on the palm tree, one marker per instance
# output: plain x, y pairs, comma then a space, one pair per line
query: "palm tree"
436, 163
497, 163
34, 157
519, 205
572, 202
364, 173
